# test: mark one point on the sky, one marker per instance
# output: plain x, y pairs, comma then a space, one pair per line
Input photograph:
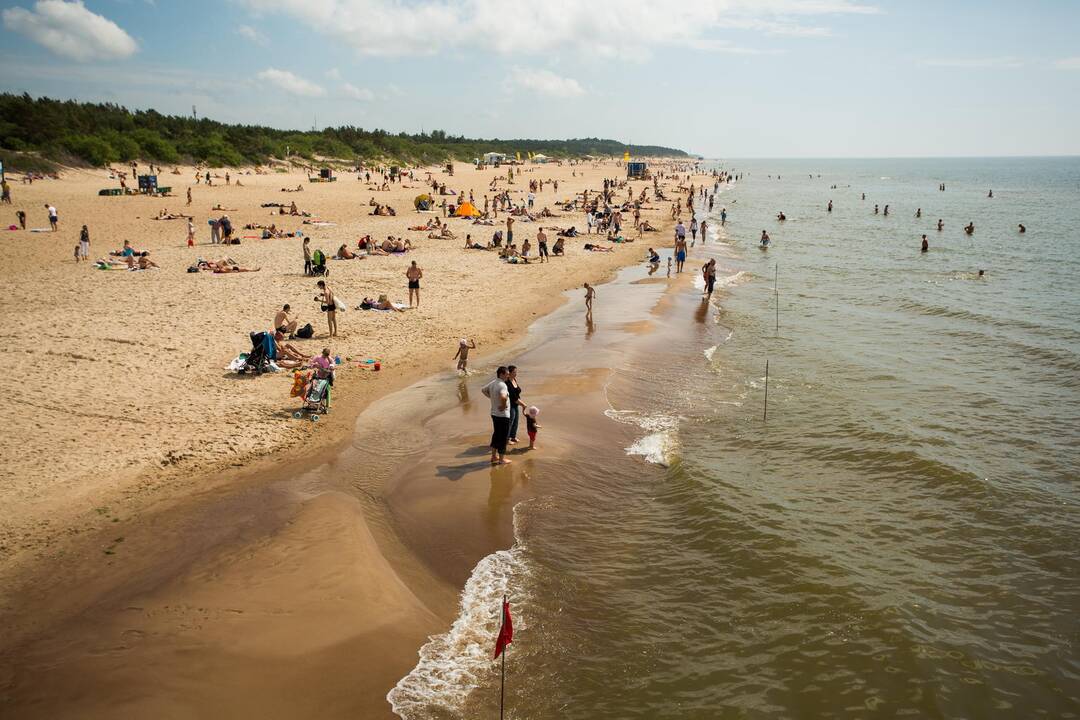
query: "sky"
719, 78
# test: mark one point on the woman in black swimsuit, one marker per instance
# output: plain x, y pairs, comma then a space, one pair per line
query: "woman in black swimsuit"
515, 401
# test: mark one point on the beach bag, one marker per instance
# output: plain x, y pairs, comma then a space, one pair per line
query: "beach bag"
340, 304
306, 332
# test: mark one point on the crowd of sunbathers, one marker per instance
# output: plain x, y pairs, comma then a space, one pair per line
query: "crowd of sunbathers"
382, 210
389, 246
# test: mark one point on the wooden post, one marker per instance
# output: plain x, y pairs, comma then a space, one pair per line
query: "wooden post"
765, 414
776, 293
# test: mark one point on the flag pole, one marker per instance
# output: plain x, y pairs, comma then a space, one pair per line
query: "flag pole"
502, 681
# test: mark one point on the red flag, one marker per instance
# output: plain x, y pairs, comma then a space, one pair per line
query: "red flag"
506, 632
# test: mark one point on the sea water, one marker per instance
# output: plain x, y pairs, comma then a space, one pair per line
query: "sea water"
897, 537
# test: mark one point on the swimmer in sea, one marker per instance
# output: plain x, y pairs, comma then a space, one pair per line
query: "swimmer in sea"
765, 239
940, 224
925, 244
1022, 228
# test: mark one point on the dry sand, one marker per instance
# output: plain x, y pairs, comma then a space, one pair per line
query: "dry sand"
123, 411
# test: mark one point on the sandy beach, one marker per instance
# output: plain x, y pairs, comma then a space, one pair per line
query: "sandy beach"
170, 491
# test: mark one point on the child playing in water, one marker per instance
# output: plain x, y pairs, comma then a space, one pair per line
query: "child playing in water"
590, 293
462, 355
531, 425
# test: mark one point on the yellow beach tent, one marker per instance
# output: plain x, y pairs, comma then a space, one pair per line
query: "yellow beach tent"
467, 209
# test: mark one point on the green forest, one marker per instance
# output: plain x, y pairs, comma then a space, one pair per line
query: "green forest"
35, 133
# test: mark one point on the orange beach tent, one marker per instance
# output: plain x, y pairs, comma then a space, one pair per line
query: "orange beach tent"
467, 209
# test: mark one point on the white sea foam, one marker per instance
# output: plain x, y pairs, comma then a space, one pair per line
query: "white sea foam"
709, 352
452, 664
656, 448
661, 443
740, 278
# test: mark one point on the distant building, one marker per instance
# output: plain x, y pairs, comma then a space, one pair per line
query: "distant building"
494, 158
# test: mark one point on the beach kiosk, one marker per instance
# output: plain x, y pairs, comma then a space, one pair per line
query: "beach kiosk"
540, 159
325, 175
636, 169
494, 158
148, 184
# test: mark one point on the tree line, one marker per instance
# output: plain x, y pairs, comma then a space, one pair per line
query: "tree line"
35, 131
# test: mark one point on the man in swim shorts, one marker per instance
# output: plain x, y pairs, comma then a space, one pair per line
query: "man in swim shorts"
284, 323
414, 273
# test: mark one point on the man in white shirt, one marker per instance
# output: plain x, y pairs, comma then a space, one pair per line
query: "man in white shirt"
53, 219
499, 394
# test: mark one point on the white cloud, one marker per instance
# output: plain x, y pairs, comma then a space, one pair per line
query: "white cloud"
546, 82
251, 34
354, 93
333, 74
1007, 61
291, 83
612, 28
1069, 63
69, 29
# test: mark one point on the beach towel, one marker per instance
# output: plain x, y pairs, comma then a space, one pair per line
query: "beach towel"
40, 229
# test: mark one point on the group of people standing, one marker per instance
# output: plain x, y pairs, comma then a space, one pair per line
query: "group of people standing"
506, 411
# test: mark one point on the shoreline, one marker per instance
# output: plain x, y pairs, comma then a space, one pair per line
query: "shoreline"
244, 488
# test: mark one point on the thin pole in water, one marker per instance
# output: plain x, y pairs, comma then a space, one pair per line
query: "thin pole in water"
776, 293
765, 414
502, 681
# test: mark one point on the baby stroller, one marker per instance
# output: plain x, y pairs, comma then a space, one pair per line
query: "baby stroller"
315, 398
318, 264
263, 350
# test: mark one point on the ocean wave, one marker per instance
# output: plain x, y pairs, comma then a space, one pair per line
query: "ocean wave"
740, 278
657, 448
452, 664
660, 444
709, 352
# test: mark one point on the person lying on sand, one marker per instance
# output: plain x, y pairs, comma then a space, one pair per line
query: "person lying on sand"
225, 265
432, 224
597, 248
221, 207
470, 245
444, 234
288, 355
164, 214
383, 303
